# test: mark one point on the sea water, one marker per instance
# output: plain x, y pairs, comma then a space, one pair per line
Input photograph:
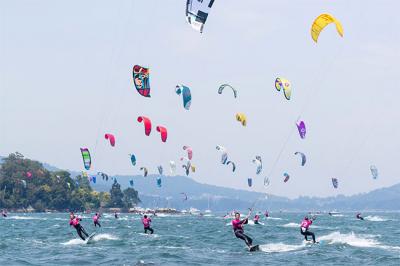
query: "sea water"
47, 239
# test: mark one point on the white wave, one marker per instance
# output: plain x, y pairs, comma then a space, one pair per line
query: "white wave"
74, 241
16, 217
350, 239
280, 247
291, 225
274, 218
375, 218
149, 235
104, 237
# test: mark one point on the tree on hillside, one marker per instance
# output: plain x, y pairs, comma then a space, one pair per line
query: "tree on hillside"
116, 195
131, 197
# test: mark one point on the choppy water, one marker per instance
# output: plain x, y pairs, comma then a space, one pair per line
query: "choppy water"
38, 239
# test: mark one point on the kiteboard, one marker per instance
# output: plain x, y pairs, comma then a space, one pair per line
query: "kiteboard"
254, 248
89, 238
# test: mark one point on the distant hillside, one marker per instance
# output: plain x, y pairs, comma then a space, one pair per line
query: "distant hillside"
221, 199
203, 196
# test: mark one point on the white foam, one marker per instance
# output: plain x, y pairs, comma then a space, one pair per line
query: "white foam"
274, 218
25, 218
350, 239
291, 225
104, 237
74, 241
375, 218
280, 247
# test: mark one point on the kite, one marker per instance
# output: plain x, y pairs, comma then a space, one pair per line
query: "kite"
250, 182
185, 197
111, 138
160, 169
87, 161
374, 171
189, 152
23, 183
133, 159
321, 22
145, 172
103, 175
303, 157
233, 165
266, 182
258, 163
335, 182
241, 118
224, 155
186, 95
197, 13
284, 85
147, 124
172, 167
287, 176
141, 79
222, 87
163, 133
28, 174
301, 127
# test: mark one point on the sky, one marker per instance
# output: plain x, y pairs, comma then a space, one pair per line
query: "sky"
66, 80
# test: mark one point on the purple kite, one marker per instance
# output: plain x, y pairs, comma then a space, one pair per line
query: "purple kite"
301, 127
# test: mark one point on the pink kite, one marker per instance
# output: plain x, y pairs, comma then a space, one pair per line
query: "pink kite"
111, 138
189, 152
147, 124
163, 132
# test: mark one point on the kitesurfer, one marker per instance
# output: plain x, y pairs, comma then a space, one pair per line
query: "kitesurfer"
304, 226
256, 218
96, 219
266, 214
237, 226
74, 221
358, 216
4, 213
116, 215
146, 224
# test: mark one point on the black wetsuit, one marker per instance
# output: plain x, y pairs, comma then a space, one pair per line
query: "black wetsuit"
80, 230
306, 233
97, 223
239, 233
148, 229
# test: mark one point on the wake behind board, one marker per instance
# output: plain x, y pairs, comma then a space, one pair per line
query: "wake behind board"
89, 238
254, 248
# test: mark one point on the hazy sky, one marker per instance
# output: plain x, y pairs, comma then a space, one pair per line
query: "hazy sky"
66, 79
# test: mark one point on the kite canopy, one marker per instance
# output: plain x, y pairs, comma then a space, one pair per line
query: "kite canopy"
266, 182
145, 172
133, 159
160, 169
249, 182
185, 197
233, 165
141, 79
301, 127
374, 171
172, 167
87, 161
186, 95
284, 85
163, 133
197, 13
287, 176
303, 157
111, 138
222, 87
147, 124
189, 152
241, 117
224, 154
23, 183
335, 182
321, 22
258, 163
